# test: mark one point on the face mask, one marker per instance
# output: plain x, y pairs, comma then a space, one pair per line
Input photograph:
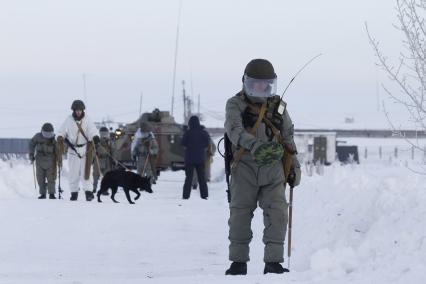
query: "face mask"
47, 134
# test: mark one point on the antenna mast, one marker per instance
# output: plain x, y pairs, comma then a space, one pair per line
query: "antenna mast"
175, 62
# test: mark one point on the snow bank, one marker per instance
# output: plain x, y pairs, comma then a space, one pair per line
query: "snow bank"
362, 221
355, 224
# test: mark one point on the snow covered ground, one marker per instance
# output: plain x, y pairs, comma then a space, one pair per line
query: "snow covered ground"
355, 224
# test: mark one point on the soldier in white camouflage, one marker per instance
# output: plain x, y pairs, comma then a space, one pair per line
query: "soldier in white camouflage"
144, 150
79, 133
43, 151
260, 129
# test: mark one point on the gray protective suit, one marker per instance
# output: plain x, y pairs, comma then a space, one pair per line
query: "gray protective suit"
104, 151
252, 185
44, 151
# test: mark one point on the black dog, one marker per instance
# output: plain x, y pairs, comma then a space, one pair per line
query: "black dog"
125, 179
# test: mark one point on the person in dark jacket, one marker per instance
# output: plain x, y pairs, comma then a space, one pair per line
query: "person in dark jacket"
195, 140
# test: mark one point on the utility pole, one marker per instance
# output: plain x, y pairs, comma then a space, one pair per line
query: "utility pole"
175, 61
140, 104
184, 103
84, 88
198, 107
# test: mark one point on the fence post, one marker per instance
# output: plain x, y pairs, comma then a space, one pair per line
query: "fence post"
424, 154
412, 152
365, 153
380, 152
396, 152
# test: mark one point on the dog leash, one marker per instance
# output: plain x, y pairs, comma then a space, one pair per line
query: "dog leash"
116, 161
146, 162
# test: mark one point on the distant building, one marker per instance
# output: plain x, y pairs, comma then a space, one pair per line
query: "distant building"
316, 146
349, 120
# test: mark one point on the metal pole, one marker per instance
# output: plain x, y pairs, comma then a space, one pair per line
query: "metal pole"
144, 166
140, 104
184, 103
175, 61
290, 223
59, 183
34, 175
84, 88
198, 110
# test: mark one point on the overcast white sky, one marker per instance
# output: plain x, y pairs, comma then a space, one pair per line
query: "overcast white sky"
127, 47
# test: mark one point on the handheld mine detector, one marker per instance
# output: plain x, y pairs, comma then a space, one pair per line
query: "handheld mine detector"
287, 164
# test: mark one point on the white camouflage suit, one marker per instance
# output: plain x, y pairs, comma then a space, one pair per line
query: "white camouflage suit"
76, 165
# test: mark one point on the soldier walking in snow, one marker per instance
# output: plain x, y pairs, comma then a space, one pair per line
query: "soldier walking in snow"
80, 134
144, 150
44, 151
260, 129
104, 150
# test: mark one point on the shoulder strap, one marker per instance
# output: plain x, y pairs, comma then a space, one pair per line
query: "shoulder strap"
241, 151
82, 131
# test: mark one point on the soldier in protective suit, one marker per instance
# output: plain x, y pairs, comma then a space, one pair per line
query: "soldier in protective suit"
260, 130
80, 134
104, 151
144, 150
43, 150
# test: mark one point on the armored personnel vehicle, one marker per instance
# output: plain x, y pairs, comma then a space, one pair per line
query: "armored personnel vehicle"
168, 134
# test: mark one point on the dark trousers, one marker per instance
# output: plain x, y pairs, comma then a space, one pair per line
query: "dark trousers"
189, 172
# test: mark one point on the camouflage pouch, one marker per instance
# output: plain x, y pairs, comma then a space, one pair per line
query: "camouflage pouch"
268, 153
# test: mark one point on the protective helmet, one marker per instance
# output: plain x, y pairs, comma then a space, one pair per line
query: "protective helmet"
103, 129
104, 132
78, 105
259, 80
145, 126
48, 127
47, 130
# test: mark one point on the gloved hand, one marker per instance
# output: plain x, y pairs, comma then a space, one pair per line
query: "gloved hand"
267, 153
32, 158
294, 177
61, 146
96, 139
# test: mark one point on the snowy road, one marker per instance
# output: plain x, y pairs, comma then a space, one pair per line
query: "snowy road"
355, 224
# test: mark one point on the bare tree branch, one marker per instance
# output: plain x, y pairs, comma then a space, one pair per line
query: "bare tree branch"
409, 74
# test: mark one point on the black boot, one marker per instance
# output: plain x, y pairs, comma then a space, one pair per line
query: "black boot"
89, 195
74, 196
274, 267
52, 196
237, 268
42, 196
